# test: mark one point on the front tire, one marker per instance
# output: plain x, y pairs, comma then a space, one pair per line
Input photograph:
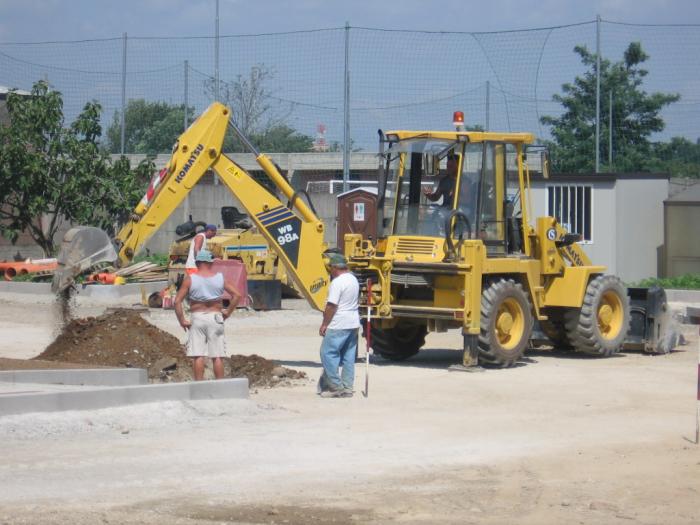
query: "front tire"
506, 323
600, 326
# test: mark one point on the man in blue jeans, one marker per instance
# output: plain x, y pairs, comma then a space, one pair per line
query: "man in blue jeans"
339, 327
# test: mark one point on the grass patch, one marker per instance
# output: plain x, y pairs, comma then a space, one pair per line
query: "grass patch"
161, 259
689, 281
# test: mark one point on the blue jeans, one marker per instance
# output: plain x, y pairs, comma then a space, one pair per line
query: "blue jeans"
338, 349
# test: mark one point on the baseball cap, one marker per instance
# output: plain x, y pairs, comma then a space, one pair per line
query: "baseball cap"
204, 256
210, 227
338, 260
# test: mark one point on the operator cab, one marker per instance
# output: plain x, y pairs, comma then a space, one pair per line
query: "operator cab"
456, 185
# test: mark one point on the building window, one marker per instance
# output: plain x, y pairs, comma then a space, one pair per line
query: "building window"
571, 205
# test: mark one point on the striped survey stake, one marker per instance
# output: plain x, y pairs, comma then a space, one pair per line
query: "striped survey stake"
368, 336
697, 399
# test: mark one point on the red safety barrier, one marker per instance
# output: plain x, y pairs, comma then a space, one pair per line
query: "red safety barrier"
234, 272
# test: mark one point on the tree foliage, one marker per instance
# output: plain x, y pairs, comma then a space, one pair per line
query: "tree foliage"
258, 114
50, 172
150, 127
635, 115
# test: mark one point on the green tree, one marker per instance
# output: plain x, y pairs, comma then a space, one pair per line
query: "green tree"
150, 127
635, 115
258, 114
50, 173
680, 157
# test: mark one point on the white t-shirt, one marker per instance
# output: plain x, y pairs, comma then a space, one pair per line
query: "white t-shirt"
190, 256
344, 292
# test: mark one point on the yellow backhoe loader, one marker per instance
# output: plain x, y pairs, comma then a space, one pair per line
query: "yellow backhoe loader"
470, 259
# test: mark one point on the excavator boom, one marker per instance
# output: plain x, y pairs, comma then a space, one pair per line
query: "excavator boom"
293, 230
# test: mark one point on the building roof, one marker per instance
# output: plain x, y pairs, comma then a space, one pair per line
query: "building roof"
600, 177
691, 195
4, 90
365, 189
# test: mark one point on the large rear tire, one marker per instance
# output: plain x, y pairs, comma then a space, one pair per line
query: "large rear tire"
400, 342
506, 323
600, 326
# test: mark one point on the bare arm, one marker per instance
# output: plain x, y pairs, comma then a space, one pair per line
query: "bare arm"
235, 299
181, 294
328, 314
198, 242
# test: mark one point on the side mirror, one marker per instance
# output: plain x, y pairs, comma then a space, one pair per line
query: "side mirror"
544, 161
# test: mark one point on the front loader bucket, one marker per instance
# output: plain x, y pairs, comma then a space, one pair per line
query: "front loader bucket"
651, 326
82, 248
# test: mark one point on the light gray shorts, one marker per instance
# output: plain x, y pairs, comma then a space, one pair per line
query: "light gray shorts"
206, 335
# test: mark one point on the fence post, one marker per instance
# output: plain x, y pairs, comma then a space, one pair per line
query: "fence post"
186, 95
123, 119
346, 111
597, 94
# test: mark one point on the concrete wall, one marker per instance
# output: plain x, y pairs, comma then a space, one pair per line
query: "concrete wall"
682, 250
639, 221
601, 249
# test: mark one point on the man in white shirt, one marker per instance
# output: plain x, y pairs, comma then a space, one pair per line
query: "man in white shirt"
199, 242
339, 327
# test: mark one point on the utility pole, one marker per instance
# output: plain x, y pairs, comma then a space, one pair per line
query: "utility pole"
123, 119
216, 54
488, 105
597, 94
186, 97
610, 132
346, 111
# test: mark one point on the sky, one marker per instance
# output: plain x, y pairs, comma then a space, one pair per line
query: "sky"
42, 20
398, 80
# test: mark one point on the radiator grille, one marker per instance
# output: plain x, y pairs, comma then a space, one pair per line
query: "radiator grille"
417, 246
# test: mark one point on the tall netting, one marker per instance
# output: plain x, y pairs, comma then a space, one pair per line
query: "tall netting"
397, 79
501, 81
673, 66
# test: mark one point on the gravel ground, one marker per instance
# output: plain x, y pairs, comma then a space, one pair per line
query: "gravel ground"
558, 439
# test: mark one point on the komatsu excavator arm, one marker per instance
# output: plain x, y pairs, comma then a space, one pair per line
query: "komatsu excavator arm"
293, 230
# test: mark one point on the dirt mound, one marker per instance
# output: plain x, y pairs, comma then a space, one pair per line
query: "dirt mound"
121, 338
262, 372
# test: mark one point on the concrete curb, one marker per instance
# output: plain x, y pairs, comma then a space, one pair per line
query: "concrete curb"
95, 398
94, 291
81, 376
683, 296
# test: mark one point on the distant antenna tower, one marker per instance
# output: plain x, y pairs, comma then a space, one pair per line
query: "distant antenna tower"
320, 143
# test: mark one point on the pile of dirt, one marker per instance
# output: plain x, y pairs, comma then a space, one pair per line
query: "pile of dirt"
262, 372
120, 338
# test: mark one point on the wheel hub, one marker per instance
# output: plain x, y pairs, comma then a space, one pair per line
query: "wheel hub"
505, 323
610, 315
510, 323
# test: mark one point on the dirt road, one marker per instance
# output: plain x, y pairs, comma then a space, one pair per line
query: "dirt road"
555, 440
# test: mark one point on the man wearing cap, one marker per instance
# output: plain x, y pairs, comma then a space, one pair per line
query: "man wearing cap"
205, 329
341, 321
199, 242
446, 185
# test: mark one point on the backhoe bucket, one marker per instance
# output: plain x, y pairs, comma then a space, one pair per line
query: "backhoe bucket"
652, 328
82, 248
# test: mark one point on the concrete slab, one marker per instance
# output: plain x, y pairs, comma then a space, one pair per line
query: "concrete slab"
108, 292
683, 296
87, 376
104, 292
95, 398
